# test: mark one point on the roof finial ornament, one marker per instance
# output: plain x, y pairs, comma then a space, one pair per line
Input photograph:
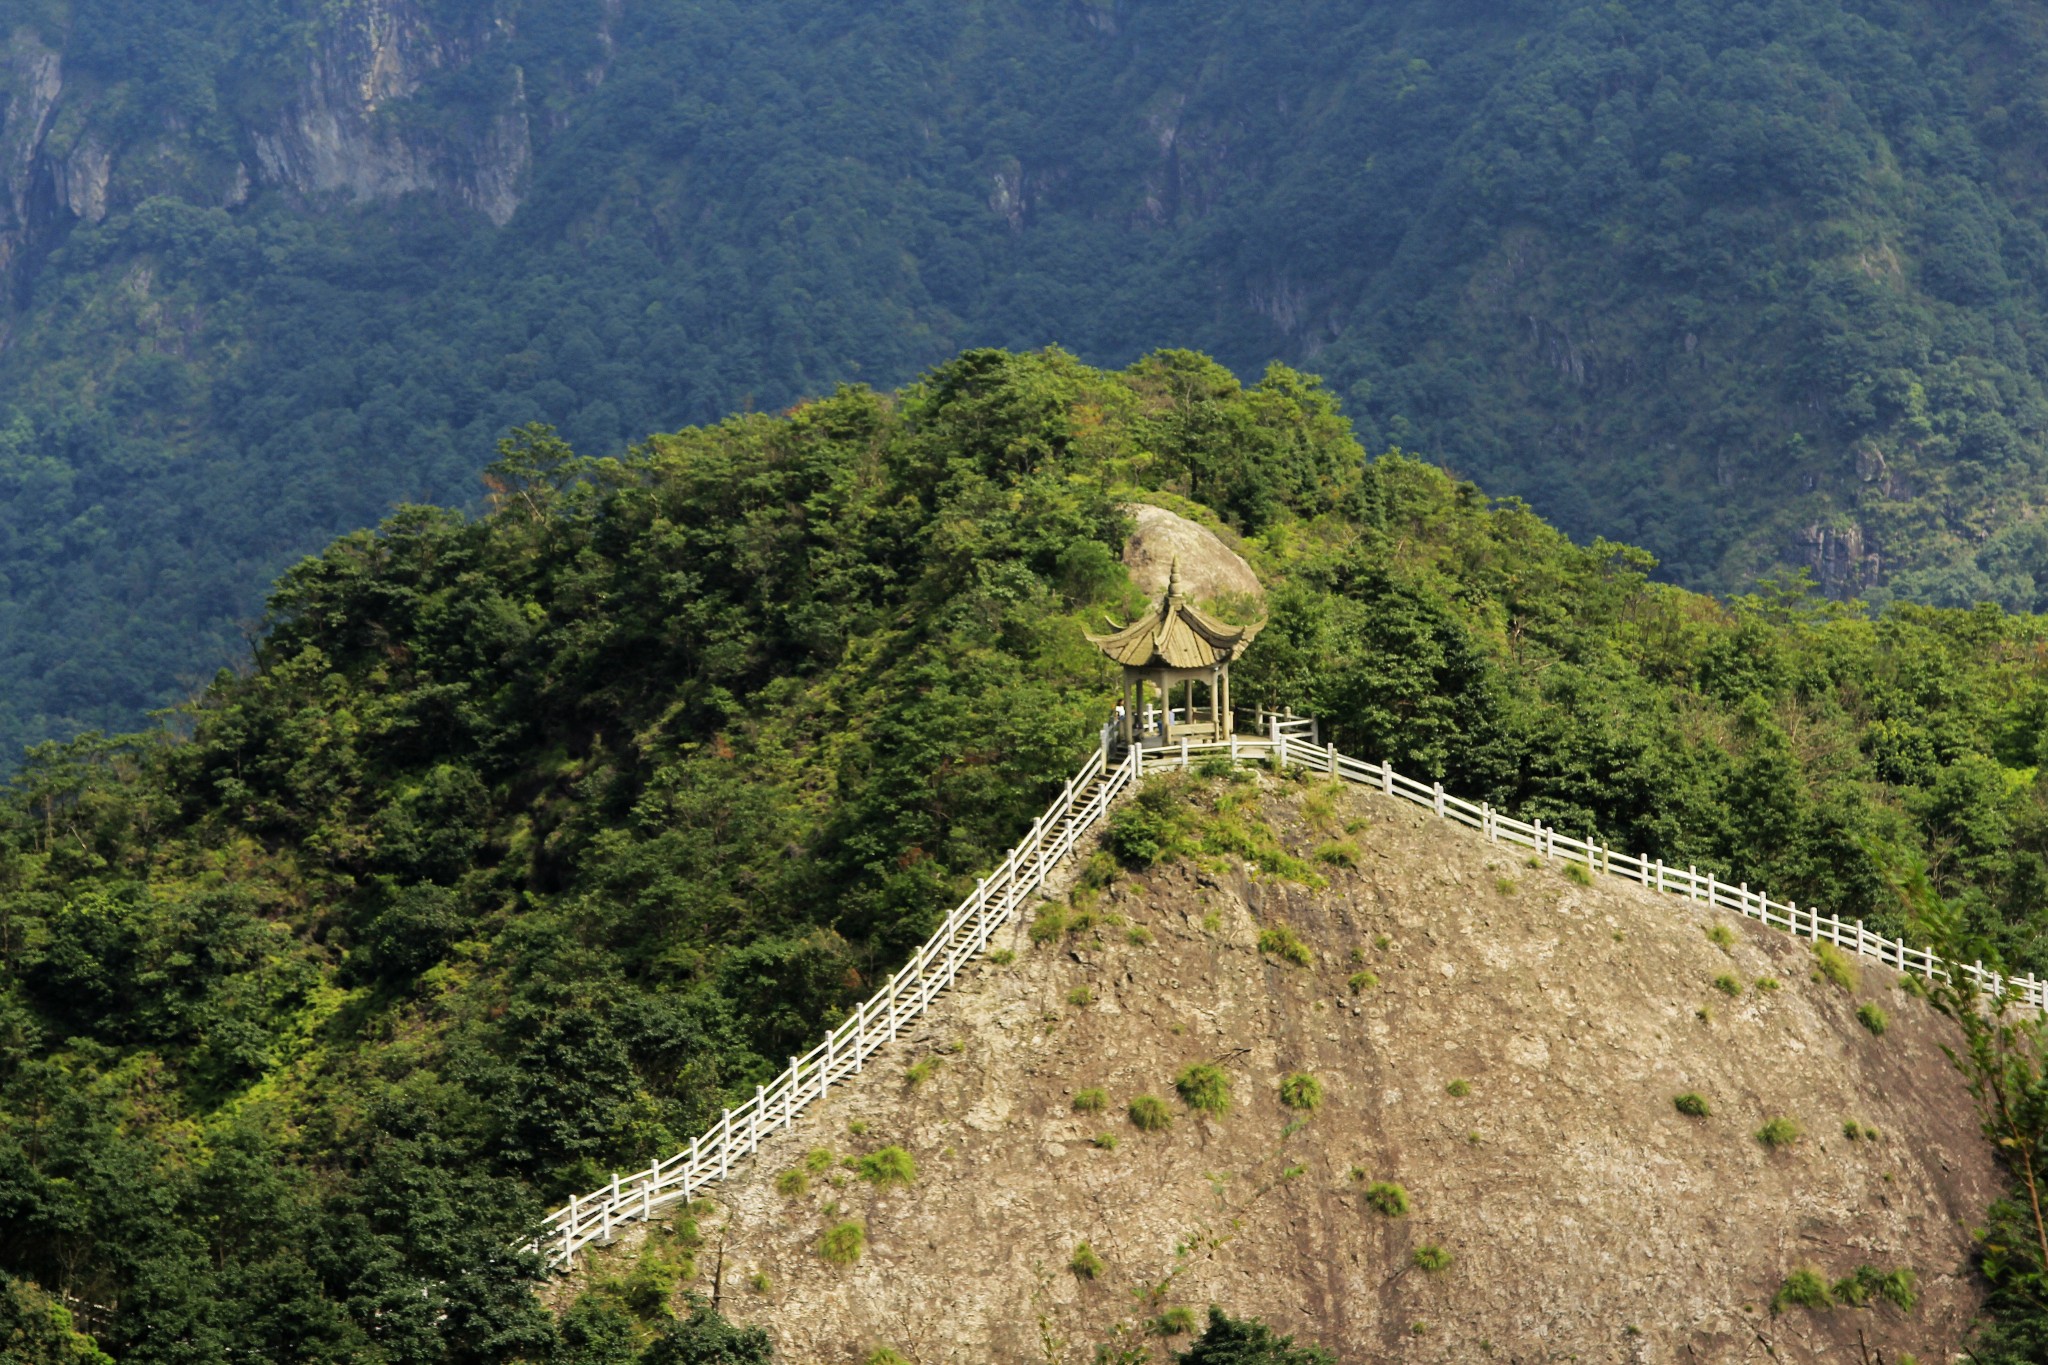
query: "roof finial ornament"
1173, 580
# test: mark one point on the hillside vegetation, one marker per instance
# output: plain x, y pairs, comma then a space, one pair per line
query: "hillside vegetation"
1751, 285
527, 841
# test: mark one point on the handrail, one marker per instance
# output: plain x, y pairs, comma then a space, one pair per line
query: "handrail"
874, 1023
965, 933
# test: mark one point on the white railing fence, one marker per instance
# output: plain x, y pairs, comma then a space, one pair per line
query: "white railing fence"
1288, 741
874, 1024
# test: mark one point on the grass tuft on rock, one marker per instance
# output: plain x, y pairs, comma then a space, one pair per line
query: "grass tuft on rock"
1282, 942
1149, 1114
1085, 1264
1803, 1288
1093, 1100
1431, 1258
1302, 1091
1692, 1105
843, 1243
1387, 1197
1835, 965
1874, 1019
888, 1167
1778, 1132
1204, 1088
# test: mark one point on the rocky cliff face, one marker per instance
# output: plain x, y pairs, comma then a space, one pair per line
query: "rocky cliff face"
351, 127
345, 131
1511, 1063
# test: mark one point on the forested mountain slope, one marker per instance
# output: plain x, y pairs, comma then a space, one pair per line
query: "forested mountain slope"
1751, 285
531, 840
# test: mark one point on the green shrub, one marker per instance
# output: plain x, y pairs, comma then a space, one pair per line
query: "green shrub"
1693, 1106
1387, 1197
857, 1126
1215, 765
1138, 936
1085, 1264
1301, 1091
1913, 986
1507, 886
1080, 996
1140, 834
759, 1282
1836, 966
1430, 1257
1204, 1088
885, 1355
1099, 871
1002, 957
1338, 855
921, 1070
843, 1243
1873, 1018
1149, 1114
1727, 985
818, 1160
1106, 1141
1767, 984
1049, 923
888, 1167
1802, 1289
1091, 1101
1458, 1090
792, 1183
1779, 1132
1579, 873
1382, 942
1280, 941
1721, 936
1361, 982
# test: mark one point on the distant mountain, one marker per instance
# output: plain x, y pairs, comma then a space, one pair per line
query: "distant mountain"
1754, 285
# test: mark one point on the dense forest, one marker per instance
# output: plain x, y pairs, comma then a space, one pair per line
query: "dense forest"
532, 838
1752, 285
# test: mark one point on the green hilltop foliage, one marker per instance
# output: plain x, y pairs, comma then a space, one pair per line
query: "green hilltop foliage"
1747, 284
533, 839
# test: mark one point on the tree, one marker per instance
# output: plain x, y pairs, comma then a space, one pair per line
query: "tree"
1247, 1341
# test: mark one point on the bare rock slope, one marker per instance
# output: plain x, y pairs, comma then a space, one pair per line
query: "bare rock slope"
1513, 1068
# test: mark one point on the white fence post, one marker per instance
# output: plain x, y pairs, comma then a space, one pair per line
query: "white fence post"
1387, 776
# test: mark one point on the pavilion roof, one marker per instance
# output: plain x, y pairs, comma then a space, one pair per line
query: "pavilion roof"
1174, 635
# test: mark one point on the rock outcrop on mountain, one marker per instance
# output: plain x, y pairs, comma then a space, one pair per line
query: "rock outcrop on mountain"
1500, 1041
339, 123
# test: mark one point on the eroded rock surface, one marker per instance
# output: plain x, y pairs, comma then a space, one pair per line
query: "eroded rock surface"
1586, 1218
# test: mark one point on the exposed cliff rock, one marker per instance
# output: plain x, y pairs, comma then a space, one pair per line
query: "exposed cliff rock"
349, 128
35, 78
342, 133
1584, 1216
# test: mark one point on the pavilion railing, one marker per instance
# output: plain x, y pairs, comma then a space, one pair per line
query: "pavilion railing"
965, 933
